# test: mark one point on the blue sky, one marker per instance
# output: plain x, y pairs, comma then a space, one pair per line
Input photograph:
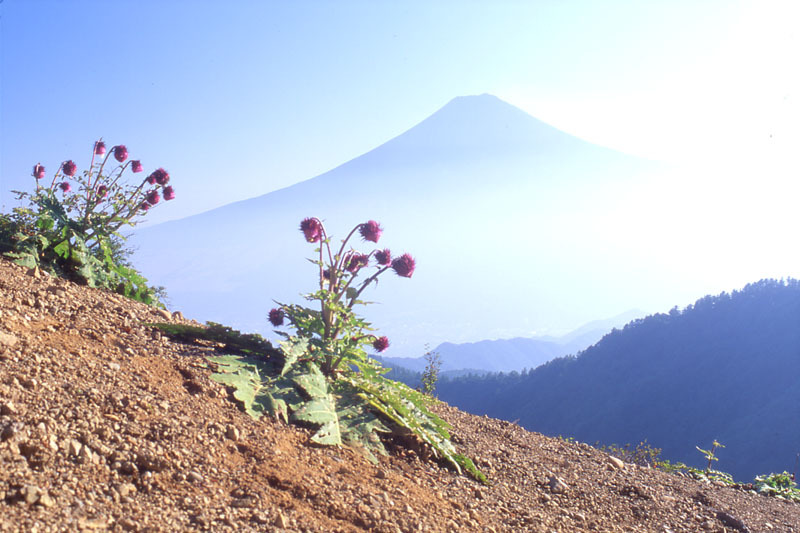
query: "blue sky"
239, 98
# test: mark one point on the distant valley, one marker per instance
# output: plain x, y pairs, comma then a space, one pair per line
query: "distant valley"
517, 354
726, 368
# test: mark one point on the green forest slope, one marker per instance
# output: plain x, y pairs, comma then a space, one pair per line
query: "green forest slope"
725, 368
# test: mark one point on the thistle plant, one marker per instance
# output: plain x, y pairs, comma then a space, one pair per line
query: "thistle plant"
335, 333
323, 376
70, 226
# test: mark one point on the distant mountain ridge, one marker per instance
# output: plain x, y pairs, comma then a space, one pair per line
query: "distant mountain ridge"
507, 355
448, 191
725, 368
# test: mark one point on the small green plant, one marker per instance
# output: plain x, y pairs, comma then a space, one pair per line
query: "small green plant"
71, 227
709, 454
431, 373
779, 485
323, 377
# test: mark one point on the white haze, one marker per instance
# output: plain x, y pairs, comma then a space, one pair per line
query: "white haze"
518, 230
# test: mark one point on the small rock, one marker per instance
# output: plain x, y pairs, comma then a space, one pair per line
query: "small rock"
45, 500
74, 447
127, 468
194, 477
260, 518
8, 408
731, 521
280, 521
616, 463
557, 485
165, 314
232, 433
7, 339
247, 501
126, 489
30, 494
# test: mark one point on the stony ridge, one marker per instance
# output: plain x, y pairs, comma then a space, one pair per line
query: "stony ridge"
105, 425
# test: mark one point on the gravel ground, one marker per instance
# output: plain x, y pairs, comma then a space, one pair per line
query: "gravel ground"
105, 425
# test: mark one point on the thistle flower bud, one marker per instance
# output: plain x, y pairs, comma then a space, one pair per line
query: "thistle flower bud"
404, 265
276, 317
136, 165
169, 193
69, 168
152, 197
370, 231
383, 257
356, 261
381, 344
102, 192
312, 229
159, 176
38, 171
99, 148
120, 153
162, 176
65, 186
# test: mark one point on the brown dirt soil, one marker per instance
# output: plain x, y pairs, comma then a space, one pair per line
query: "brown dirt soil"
105, 425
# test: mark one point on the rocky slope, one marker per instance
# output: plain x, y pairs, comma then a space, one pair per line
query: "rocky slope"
105, 425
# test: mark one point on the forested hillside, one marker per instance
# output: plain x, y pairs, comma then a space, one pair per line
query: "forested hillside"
725, 368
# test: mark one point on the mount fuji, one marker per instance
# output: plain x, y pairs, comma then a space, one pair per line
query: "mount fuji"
518, 229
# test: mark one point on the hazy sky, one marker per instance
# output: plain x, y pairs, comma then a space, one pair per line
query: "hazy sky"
239, 98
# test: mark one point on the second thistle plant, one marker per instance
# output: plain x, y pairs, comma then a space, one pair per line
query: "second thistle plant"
70, 227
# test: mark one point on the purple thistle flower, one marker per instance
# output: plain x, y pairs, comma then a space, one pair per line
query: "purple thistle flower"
69, 168
169, 193
102, 192
404, 265
276, 316
162, 177
65, 186
370, 231
152, 197
383, 257
356, 261
381, 344
136, 166
312, 229
120, 153
144, 206
99, 148
159, 176
38, 171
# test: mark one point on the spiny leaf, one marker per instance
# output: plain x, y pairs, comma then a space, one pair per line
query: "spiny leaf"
312, 382
242, 373
293, 349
